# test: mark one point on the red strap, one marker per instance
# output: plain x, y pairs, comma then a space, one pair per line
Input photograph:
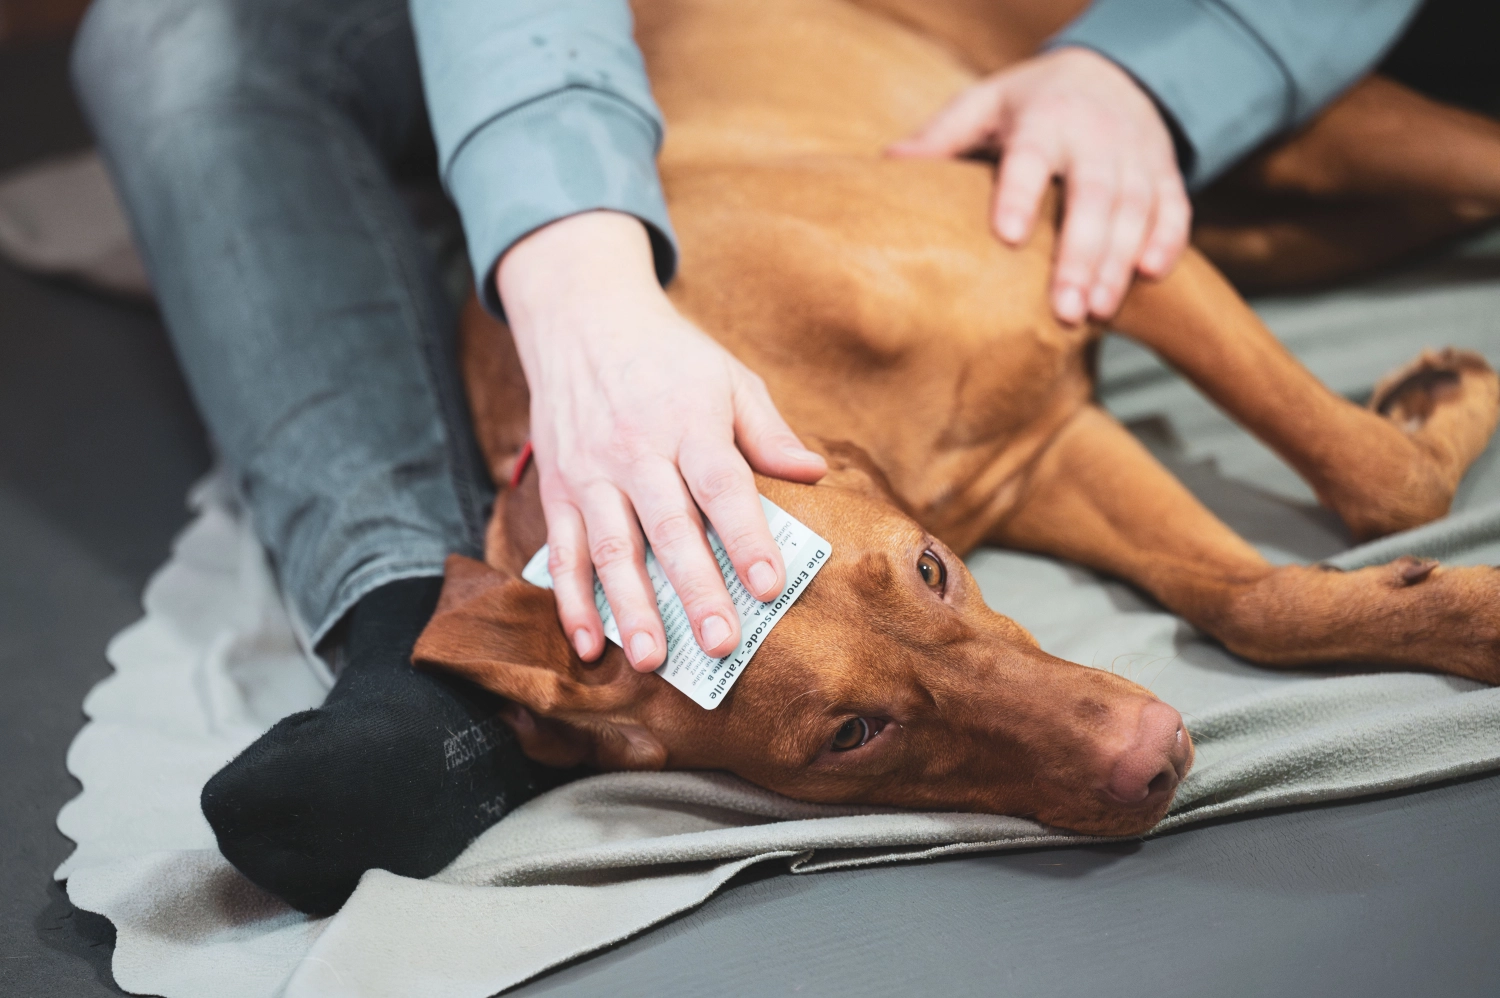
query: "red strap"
522, 460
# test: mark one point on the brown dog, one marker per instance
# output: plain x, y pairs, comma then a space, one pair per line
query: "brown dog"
921, 357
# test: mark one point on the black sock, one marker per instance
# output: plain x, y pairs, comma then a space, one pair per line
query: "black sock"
399, 769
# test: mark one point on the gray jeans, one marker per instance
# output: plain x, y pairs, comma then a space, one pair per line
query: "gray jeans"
258, 146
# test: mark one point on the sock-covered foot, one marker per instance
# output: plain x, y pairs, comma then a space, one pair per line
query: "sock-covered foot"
398, 770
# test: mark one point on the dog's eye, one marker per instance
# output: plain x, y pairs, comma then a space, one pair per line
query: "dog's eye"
851, 734
934, 572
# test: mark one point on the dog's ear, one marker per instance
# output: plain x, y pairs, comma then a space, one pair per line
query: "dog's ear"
502, 633
851, 467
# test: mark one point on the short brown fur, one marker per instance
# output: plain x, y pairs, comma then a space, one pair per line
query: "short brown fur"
902, 340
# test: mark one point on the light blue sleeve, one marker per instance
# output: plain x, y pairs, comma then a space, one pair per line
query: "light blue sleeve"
1233, 73
541, 109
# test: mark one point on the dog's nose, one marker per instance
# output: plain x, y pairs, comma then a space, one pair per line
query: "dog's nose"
1155, 761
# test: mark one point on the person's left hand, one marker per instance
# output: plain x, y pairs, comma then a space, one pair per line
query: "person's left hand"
1071, 113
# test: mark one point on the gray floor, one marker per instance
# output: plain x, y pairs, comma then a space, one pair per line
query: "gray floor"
98, 444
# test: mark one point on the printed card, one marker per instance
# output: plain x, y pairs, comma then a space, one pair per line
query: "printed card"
705, 679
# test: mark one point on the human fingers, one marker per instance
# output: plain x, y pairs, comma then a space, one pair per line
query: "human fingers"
1091, 187
618, 554
675, 529
1026, 169
767, 442
1170, 228
572, 577
1127, 231
724, 489
968, 122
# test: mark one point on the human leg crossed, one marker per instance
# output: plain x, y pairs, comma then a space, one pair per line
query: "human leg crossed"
255, 144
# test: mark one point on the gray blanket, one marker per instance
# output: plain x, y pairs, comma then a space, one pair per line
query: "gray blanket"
215, 661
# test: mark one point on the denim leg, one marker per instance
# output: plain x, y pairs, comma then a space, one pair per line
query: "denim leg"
255, 144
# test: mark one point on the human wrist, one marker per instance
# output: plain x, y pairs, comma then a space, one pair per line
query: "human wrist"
1182, 146
1102, 66
587, 264
1097, 64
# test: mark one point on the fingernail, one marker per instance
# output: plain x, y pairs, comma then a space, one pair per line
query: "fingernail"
583, 641
714, 630
1070, 304
1152, 260
642, 645
799, 453
762, 579
1012, 228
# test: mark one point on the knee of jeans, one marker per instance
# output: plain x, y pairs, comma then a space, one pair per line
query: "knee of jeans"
135, 61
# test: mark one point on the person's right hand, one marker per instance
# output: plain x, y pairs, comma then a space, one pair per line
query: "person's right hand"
1074, 114
638, 421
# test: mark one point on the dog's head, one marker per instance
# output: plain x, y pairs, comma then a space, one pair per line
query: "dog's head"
889, 682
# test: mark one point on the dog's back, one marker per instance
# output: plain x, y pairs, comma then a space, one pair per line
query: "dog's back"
780, 79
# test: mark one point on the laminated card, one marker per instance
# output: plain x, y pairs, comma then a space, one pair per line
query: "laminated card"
688, 667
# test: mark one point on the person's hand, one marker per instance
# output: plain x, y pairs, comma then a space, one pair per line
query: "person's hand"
639, 420
1072, 113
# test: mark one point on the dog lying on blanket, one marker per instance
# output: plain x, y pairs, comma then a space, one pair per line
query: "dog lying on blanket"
921, 357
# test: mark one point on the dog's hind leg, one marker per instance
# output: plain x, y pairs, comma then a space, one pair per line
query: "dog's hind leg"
1097, 497
1379, 175
1383, 468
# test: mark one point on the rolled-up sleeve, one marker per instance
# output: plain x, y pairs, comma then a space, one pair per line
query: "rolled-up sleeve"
541, 109
1233, 73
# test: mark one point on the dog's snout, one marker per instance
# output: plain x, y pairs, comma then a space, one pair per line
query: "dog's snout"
1155, 761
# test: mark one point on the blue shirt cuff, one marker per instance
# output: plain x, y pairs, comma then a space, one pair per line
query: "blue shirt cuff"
1230, 74
1225, 91
574, 150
